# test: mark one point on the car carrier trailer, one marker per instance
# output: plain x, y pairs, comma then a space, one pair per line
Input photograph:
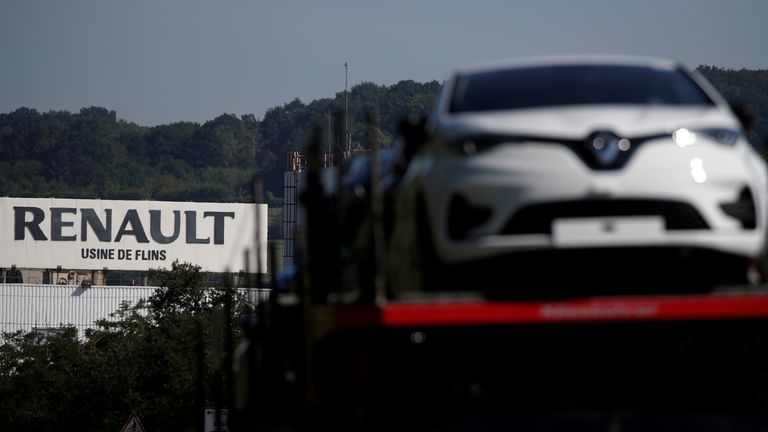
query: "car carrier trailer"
610, 363
319, 356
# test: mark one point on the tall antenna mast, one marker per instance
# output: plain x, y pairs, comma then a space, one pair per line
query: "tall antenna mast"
346, 106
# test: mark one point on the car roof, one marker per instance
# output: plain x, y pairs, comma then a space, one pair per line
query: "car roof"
572, 59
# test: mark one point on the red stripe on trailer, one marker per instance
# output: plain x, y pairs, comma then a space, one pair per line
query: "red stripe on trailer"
589, 310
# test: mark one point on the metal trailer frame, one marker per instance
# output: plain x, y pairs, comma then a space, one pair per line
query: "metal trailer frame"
316, 357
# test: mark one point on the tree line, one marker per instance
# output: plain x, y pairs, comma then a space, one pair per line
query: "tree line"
744, 86
93, 154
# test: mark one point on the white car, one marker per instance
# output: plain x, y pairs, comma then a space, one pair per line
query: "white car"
580, 165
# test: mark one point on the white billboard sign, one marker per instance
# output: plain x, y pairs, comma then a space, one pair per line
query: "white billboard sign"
131, 235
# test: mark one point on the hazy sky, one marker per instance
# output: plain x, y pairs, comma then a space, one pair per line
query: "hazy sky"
160, 61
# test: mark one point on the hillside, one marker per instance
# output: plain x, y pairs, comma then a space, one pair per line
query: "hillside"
93, 154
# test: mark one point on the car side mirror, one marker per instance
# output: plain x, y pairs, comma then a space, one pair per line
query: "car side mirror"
414, 132
745, 114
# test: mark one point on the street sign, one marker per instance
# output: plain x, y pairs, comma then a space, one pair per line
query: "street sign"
210, 420
133, 424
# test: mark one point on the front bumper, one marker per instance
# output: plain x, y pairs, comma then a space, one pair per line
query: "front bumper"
675, 194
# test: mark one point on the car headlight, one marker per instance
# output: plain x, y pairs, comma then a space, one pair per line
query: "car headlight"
722, 136
684, 137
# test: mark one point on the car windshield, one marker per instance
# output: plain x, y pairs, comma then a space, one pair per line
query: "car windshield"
534, 87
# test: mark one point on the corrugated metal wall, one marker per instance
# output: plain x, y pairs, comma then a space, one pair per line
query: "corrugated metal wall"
24, 307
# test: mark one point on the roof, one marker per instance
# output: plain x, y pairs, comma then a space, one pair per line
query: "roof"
570, 59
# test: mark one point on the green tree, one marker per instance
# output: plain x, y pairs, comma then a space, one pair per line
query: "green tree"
744, 86
145, 360
93, 154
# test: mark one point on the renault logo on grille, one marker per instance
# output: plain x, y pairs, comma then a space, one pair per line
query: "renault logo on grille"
607, 147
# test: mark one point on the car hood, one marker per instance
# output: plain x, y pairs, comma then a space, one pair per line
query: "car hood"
577, 122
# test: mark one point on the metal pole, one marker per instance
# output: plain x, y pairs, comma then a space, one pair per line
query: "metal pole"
346, 107
329, 134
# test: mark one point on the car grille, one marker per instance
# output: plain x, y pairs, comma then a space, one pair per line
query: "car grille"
537, 218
